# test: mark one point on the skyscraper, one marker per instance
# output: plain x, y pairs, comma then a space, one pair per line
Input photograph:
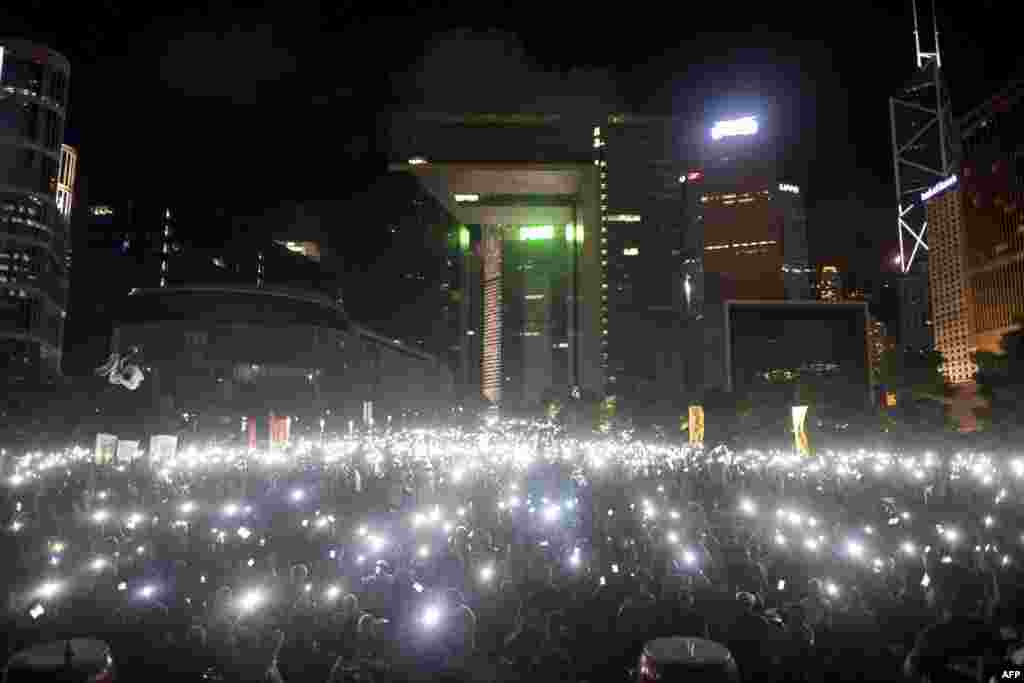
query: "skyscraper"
745, 238
641, 162
977, 239
35, 190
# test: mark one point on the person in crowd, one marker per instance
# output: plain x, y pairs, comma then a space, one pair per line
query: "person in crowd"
962, 644
517, 594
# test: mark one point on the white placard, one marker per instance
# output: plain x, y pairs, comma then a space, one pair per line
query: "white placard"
162, 447
127, 451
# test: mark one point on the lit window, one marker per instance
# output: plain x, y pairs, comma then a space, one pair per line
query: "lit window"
623, 218
631, 251
467, 198
536, 232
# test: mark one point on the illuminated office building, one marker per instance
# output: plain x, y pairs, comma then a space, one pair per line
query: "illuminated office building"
529, 276
641, 161
745, 239
636, 232
976, 224
36, 183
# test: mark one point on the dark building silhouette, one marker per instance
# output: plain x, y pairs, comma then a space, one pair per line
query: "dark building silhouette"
36, 180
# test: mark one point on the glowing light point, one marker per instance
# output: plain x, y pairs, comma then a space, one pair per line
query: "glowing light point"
48, 590
251, 600
732, 128
486, 574
431, 617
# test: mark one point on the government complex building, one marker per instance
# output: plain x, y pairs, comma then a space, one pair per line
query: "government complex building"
604, 255
572, 233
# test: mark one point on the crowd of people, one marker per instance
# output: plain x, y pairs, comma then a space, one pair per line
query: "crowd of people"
515, 552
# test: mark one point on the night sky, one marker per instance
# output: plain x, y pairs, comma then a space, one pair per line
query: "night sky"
286, 102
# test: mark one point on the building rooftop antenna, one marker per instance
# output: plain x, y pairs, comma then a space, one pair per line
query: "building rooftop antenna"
924, 142
923, 57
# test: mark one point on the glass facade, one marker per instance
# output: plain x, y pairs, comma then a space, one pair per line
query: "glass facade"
34, 230
528, 274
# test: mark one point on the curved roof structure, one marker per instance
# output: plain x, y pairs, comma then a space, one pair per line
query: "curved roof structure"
263, 307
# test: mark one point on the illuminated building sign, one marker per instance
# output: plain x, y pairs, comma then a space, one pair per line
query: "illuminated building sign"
786, 187
464, 238
417, 161
727, 129
462, 198
536, 232
102, 211
694, 175
938, 187
623, 218
1, 62
631, 251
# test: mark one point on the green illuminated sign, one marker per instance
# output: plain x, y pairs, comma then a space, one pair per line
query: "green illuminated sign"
573, 233
464, 238
536, 232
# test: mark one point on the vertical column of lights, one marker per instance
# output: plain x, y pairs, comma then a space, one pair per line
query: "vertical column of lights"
66, 180
259, 269
66, 193
602, 165
165, 248
490, 359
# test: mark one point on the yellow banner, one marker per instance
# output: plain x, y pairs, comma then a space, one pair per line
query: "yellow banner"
106, 449
802, 445
696, 424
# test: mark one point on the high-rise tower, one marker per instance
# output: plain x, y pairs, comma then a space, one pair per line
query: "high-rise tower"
36, 179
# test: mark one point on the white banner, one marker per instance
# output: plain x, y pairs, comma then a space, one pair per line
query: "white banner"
127, 451
162, 447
